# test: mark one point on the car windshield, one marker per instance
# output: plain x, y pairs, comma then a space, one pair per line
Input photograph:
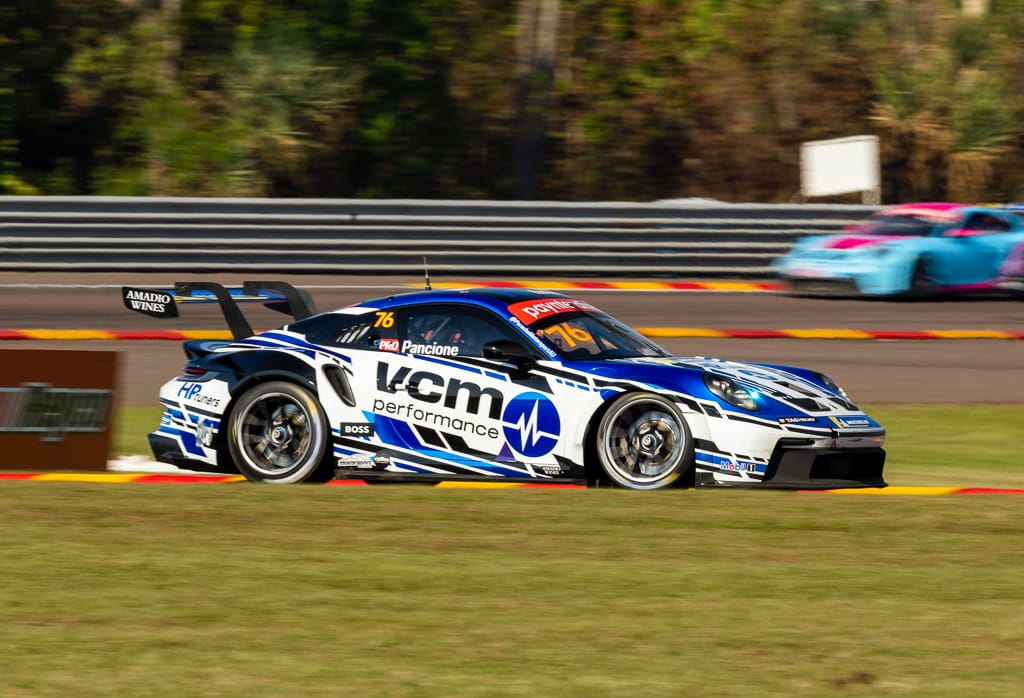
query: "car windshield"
582, 336
910, 226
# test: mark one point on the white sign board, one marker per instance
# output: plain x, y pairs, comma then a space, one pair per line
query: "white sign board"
840, 166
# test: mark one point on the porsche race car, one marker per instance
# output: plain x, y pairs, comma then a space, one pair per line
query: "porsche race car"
491, 385
909, 251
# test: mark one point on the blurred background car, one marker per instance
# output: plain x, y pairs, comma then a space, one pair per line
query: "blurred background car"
909, 251
1011, 271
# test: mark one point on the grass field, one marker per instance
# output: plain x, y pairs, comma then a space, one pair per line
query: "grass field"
238, 590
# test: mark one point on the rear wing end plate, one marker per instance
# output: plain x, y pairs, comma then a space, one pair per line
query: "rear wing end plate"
276, 295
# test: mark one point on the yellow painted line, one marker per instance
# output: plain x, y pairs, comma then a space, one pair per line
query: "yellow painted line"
69, 334
971, 334
917, 491
89, 477
479, 485
640, 285
828, 334
680, 332
730, 286
206, 334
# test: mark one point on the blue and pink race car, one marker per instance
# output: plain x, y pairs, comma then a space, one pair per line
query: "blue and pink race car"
909, 251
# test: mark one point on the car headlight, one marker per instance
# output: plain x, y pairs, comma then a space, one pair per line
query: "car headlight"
733, 392
832, 385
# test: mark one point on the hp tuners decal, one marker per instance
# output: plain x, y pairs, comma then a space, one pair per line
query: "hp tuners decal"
531, 424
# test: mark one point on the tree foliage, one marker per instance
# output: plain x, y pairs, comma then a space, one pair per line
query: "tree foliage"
556, 99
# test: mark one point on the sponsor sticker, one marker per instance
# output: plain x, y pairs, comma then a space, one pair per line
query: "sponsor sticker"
360, 462
531, 424
749, 466
851, 421
797, 420
431, 398
193, 392
149, 302
356, 428
411, 347
388, 344
548, 351
533, 310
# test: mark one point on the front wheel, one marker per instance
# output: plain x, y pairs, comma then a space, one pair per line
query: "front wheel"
277, 433
922, 284
643, 443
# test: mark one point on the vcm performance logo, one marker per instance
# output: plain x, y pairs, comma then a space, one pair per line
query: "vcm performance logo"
531, 424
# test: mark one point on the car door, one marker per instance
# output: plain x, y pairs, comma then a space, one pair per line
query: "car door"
973, 252
440, 401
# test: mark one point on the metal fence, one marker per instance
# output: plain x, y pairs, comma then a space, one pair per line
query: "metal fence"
685, 238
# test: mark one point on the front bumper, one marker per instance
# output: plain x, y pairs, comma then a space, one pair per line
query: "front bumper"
814, 469
839, 288
826, 469
1012, 284
844, 276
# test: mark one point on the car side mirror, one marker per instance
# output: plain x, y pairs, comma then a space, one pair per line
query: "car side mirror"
510, 352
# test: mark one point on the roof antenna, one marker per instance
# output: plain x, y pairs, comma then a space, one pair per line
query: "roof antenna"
426, 273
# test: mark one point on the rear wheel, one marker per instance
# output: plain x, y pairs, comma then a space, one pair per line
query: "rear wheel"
644, 443
277, 433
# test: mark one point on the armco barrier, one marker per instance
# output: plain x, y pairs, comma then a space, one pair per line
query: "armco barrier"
685, 238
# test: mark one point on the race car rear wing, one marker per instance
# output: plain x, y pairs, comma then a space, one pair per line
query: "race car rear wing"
276, 295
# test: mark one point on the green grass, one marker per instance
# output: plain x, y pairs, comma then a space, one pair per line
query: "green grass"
959, 445
131, 426
406, 591
238, 590
939, 445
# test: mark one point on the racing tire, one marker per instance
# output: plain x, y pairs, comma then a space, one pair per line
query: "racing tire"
643, 443
278, 433
922, 285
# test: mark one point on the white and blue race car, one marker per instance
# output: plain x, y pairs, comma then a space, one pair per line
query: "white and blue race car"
491, 385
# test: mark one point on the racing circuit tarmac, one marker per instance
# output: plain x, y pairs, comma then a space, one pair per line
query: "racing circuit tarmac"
872, 370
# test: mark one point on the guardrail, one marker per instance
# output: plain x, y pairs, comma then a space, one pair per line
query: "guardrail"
686, 238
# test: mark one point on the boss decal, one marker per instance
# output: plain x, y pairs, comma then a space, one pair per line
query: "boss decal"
531, 424
356, 428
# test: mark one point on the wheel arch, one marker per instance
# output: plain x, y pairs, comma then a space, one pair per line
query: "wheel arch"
921, 261
263, 367
591, 462
593, 469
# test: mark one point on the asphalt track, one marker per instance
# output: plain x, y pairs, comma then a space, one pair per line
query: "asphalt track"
942, 369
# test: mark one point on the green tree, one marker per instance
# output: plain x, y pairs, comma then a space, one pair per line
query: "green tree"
557, 99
